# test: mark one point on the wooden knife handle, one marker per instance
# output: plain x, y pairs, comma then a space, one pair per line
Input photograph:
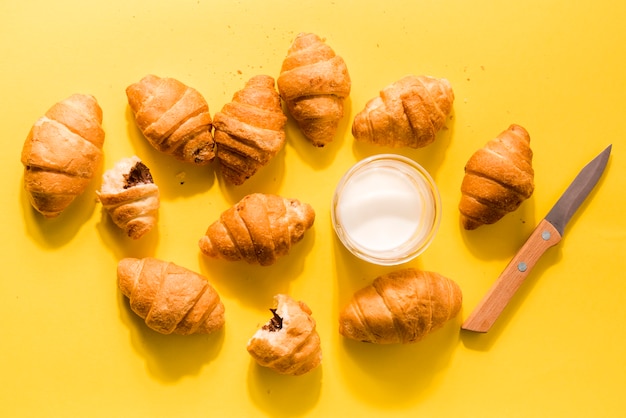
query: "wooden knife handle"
494, 302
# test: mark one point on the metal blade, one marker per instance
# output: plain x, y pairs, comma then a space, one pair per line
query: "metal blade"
577, 192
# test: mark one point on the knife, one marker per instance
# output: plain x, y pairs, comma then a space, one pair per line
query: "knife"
548, 233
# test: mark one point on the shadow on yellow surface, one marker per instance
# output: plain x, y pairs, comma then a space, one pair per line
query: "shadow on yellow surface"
283, 396
323, 157
169, 357
51, 233
253, 285
397, 375
430, 157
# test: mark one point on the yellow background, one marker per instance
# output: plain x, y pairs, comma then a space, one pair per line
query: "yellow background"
69, 344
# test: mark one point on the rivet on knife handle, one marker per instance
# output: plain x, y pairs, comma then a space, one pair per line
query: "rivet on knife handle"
546, 234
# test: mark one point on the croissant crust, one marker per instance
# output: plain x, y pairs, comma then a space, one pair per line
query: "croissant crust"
400, 307
314, 83
131, 198
498, 178
62, 152
170, 298
173, 117
289, 343
408, 113
259, 229
249, 131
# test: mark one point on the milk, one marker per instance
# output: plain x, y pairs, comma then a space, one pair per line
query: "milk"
384, 208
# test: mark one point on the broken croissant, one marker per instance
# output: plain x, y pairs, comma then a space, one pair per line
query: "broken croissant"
498, 178
170, 298
249, 131
314, 83
400, 307
288, 343
173, 117
259, 229
407, 113
62, 152
131, 198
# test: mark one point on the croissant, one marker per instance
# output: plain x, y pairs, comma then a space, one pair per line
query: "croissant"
498, 178
407, 113
249, 131
400, 307
288, 343
131, 198
259, 229
62, 152
170, 298
314, 83
173, 117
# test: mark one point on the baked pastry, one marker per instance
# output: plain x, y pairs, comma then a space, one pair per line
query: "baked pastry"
400, 307
498, 178
174, 118
131, 198
314, 83
170, 298
289, 342
62, 152
259, 229
407, 113
250, 130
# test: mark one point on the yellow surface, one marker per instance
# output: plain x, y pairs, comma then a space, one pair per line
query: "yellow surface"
70, 346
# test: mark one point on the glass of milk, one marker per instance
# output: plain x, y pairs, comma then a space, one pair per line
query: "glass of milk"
386, 209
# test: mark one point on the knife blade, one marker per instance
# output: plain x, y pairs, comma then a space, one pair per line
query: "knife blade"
547, 233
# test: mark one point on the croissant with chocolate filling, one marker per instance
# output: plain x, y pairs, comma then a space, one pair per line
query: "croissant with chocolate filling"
289, 342
170, 298
314, 83
62, 152
259, 229
131, 198
408, 113
498, 178
173, 117
249, 131
400, 307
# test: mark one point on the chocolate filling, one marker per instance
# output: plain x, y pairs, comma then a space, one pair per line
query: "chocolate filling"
275, 324
139, 174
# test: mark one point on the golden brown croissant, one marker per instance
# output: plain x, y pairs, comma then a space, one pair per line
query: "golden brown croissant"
314, 83
173, 117
170, 298
288, 343
259, 229
400, 307
62, 152
249, 131
408, 113
498, 178
131, 198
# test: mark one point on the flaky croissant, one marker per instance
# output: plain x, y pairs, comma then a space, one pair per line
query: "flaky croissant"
173, 117
62, 152
131, 198
249, 131
289, 342
259, 229
498, 178
407, 113
400, 307
314, 83
170, 298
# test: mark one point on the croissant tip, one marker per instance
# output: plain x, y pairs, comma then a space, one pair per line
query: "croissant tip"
469, 224
126, 263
